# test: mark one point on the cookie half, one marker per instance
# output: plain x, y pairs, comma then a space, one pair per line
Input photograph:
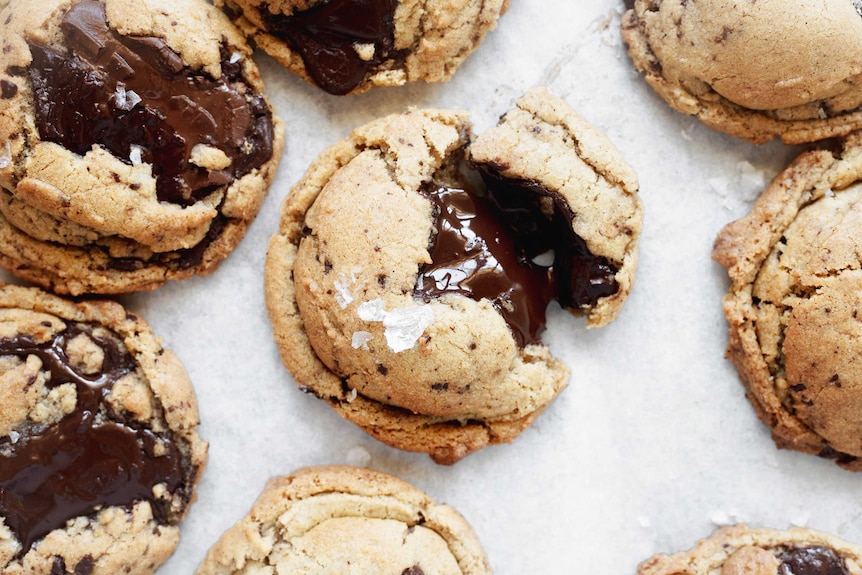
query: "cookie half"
793, 306
335, 519
99, 450
755, 70
135, 144
738, 550
411, 295
349, 46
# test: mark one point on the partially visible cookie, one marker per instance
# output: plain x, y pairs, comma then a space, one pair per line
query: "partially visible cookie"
410, 294
795, 264
349, 46
340, 519
135, 144
738, 550
755, 70
99, 450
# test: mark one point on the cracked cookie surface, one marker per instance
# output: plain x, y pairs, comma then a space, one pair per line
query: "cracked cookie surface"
122, 168
755, 70
793, 306
400, 298
738, 550
99, 450
335, 519
349, 46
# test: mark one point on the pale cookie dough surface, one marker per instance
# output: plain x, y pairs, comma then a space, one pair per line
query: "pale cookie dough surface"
739, 550
64, 364
446, 375
91, 221
756, 70
417, 40
796, 273
341, 519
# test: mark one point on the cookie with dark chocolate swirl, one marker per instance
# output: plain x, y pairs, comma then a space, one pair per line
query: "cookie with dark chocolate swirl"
99, 450
136, 146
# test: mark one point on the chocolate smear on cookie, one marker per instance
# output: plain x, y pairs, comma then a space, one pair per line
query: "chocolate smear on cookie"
90, 459
513, 245
134, 96
341, 41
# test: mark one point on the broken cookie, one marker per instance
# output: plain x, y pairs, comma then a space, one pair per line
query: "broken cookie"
409, 280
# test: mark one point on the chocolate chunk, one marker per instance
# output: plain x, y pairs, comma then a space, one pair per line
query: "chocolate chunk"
415, 570
515, 247
473, 255
90, 459
133, 96
8, 89
812, 561
326, 36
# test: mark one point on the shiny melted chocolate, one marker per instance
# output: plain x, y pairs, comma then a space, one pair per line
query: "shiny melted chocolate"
325, 35
812, 561
473, 255
89, 459
515, 247
133, 96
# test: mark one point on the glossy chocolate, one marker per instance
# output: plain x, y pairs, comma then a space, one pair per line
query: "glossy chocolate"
515, 247
325, 35
88, 460
472, 254
812, 561
133, 96
542, 222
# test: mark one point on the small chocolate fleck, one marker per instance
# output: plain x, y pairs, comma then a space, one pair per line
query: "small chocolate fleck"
8, 89
58, 566
440, 386
85, 565
415, 570
382, 369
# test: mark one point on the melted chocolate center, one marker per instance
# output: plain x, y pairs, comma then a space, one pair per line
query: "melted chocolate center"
326, 37
133, 96
86, 461
812, 561
514, 247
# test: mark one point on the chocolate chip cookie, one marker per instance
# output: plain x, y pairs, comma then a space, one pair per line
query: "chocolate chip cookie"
755, 70
99, 451
408, 283
135, 144
738, 550
349, 46
339, 519
793, 306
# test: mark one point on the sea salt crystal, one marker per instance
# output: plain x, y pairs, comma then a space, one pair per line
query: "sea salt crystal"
361, 339
5, 155
342, 288
404, 326
235, 57
135, 155
351, 396
14, 436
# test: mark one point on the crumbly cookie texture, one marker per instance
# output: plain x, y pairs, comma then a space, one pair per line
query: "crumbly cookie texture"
120, 197
331, 519
739, 550
755, 70
359, 44
796, 272
98, 424
442, 373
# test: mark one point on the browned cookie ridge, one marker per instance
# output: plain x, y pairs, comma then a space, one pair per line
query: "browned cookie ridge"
409, 293
139, 145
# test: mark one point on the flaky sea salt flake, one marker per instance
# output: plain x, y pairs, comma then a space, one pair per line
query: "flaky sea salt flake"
361, 339
404, 326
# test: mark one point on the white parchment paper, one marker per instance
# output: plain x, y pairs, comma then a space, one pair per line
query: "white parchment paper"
652, 445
